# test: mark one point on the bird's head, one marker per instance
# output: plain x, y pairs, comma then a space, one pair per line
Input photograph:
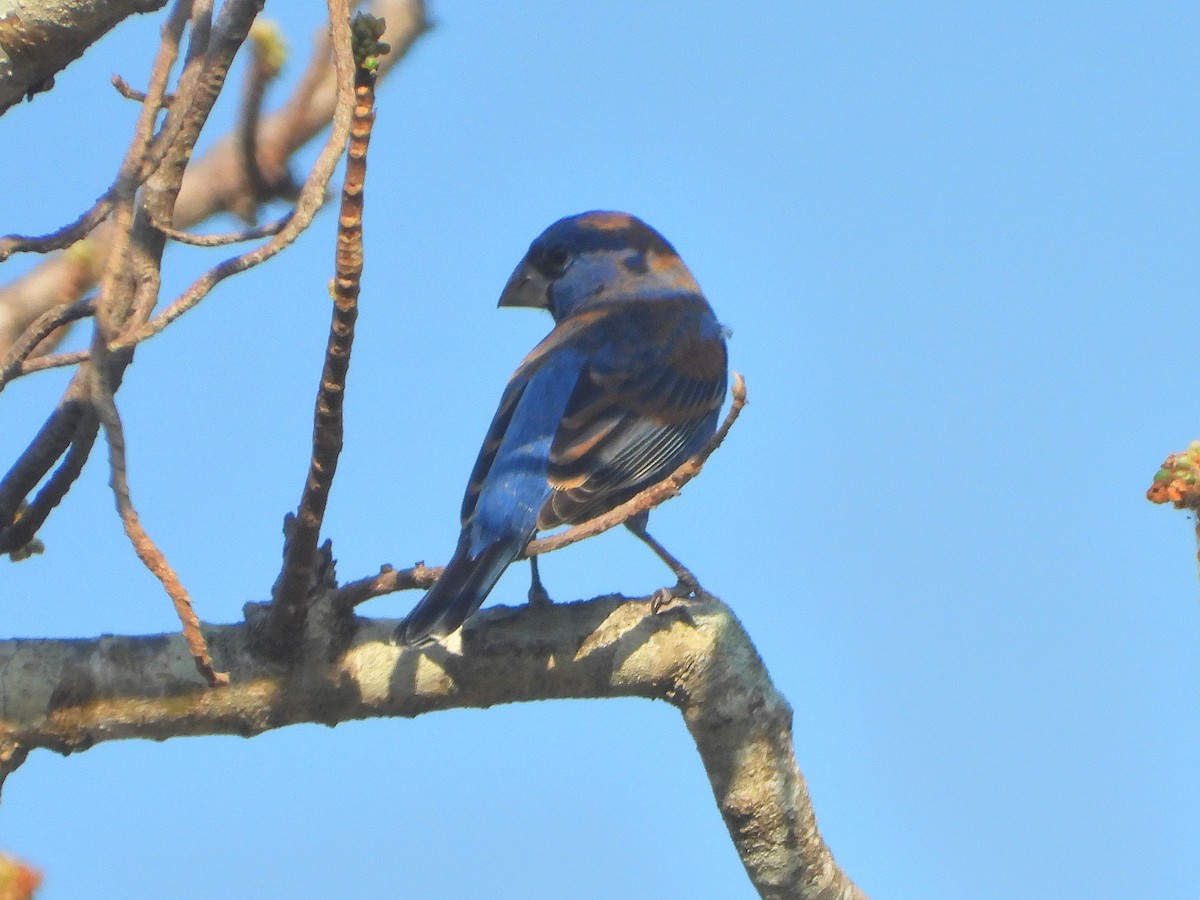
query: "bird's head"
596, 255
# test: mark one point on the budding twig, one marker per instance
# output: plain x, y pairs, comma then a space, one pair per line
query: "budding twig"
289, 606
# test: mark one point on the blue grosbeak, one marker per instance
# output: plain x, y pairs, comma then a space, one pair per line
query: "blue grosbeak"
626, 387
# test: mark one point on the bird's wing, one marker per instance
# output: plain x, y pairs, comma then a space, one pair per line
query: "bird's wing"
491, 443
570, 334
646, 401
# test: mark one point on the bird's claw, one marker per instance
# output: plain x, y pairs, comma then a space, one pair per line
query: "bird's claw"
659, 599
687, 587
539, 596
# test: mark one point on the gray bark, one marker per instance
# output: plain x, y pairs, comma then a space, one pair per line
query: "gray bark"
39, 38
68, 695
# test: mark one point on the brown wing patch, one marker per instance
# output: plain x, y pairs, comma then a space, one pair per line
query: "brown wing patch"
700, 357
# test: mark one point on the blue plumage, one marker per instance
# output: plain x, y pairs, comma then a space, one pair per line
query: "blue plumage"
626, 387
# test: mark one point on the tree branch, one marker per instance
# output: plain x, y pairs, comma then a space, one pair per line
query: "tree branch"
39, 38
359, 57
214, 182
68, 696
211, 184
38, 331
147, 551
19, 538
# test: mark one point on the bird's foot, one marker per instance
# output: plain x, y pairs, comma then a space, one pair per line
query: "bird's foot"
539, 596
687, 587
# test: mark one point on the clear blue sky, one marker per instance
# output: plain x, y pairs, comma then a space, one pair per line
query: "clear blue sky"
956, 245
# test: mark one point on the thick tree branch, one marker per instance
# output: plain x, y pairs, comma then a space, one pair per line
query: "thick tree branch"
70, 695
39, 38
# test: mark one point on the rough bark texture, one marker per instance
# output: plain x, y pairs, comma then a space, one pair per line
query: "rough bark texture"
39, 38
68, 695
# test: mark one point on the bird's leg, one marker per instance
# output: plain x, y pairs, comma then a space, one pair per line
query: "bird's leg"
538, 595
686, 584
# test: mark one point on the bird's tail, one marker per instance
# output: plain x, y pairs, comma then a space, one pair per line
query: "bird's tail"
460, 591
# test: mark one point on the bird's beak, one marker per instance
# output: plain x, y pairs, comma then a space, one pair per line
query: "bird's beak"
528, 288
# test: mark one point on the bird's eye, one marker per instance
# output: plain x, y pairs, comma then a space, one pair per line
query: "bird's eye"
555, 260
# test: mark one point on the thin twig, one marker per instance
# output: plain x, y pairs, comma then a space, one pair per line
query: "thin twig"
146, 549
390, 580
232, 237
129, 92
136, 168
133, 169
265, 65
50, 443
38, 332
289, 608
283, 133
63, 237
312, 197
213, 181
132, 275
32, 517
54, 361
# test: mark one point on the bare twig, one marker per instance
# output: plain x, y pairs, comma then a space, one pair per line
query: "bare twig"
147, 551
265, 65
152, 558
132, 275
133, 168
32, 517
111, 307
214, 181
232, 237
55, 361
129, 92
130, 281
388, 581
50, 443
38, 332
63, 237
299, 557
129, 287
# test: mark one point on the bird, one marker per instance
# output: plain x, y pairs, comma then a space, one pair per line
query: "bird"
626, 387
